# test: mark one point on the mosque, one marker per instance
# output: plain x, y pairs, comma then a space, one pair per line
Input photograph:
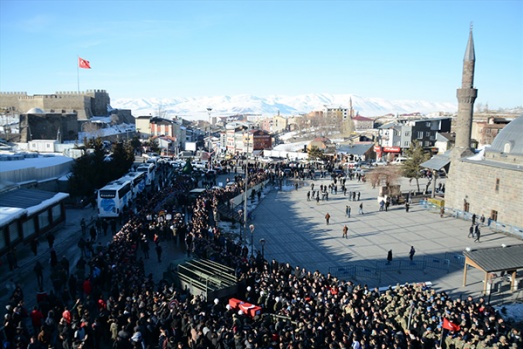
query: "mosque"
488, 183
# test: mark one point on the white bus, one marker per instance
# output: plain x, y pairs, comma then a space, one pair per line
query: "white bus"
137, 180
148, 169
113, 198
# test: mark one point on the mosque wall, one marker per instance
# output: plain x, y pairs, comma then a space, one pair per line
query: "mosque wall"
486, 189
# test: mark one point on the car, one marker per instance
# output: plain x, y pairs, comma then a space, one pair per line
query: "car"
363, 164
399, 161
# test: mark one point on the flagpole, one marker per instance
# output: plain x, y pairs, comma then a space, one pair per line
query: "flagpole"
442, 335
78, 73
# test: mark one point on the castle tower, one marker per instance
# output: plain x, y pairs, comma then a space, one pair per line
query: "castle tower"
466, 96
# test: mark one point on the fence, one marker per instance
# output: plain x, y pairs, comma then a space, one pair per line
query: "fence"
357, 272
436, 263
374, 274
456, 259
498, 227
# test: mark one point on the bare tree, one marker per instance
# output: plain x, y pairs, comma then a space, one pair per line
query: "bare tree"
385, 176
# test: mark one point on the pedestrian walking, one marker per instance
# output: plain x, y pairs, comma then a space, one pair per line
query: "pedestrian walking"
327, 218
348, 210
34, 246
471, 232
39, 272
389, 257
411, 254
92, 233
477, 233
309, 195
11, 259
83, 226
50, 239
345, 231
361, 208
317, 199
359, 196
407, 206
159, 253
441, 211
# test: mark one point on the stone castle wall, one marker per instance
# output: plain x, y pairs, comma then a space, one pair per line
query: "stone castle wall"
86, 104
476, 183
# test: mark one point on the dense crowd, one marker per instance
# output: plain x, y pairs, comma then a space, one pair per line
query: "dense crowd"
109, 301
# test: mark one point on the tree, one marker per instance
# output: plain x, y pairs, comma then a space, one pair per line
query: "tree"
136, 144
154, 146
315, 153
415, 157
384, 176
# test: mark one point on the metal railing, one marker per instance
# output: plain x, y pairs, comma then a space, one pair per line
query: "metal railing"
499, 227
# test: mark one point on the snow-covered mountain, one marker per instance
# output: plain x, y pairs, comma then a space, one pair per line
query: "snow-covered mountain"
193, 108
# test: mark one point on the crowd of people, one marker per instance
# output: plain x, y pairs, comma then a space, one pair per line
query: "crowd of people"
110, 301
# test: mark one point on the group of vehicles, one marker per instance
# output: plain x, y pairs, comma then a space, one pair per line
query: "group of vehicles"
114, 197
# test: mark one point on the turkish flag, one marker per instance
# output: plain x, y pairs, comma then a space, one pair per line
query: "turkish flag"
449, 325
82, 63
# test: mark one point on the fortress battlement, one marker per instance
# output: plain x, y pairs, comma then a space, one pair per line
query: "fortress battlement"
13, 93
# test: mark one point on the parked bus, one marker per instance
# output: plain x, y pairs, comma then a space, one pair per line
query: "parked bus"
148, 169
113, 198
137, 180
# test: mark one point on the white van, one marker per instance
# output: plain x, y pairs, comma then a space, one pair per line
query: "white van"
399, 160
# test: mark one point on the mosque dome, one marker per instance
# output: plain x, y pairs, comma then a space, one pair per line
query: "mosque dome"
509, 140
35, 111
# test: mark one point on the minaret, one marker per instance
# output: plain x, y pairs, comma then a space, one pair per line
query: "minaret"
466, 96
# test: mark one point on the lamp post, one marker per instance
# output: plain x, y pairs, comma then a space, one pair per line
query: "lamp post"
240, 216
262, 243
209, 143
245, 189
251, 227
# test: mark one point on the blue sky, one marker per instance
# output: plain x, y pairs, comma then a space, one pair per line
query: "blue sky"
389, 49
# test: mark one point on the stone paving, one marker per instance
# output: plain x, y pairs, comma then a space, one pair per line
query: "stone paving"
296, 232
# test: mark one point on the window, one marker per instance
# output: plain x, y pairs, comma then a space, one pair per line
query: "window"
13, 231
420, 134
427, 134
43, 220
494, 215
427, 124
406, 144
407, 133
497, 185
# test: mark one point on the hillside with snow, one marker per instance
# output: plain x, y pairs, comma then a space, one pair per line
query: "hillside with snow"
196, 107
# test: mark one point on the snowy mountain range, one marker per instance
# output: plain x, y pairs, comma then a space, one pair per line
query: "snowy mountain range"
193, 108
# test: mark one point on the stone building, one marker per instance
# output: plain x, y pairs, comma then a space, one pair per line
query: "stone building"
490, 184
37, 124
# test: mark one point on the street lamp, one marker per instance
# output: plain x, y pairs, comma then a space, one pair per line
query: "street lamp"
241, 228
245, 190
262, 243
209, 143
251, 227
